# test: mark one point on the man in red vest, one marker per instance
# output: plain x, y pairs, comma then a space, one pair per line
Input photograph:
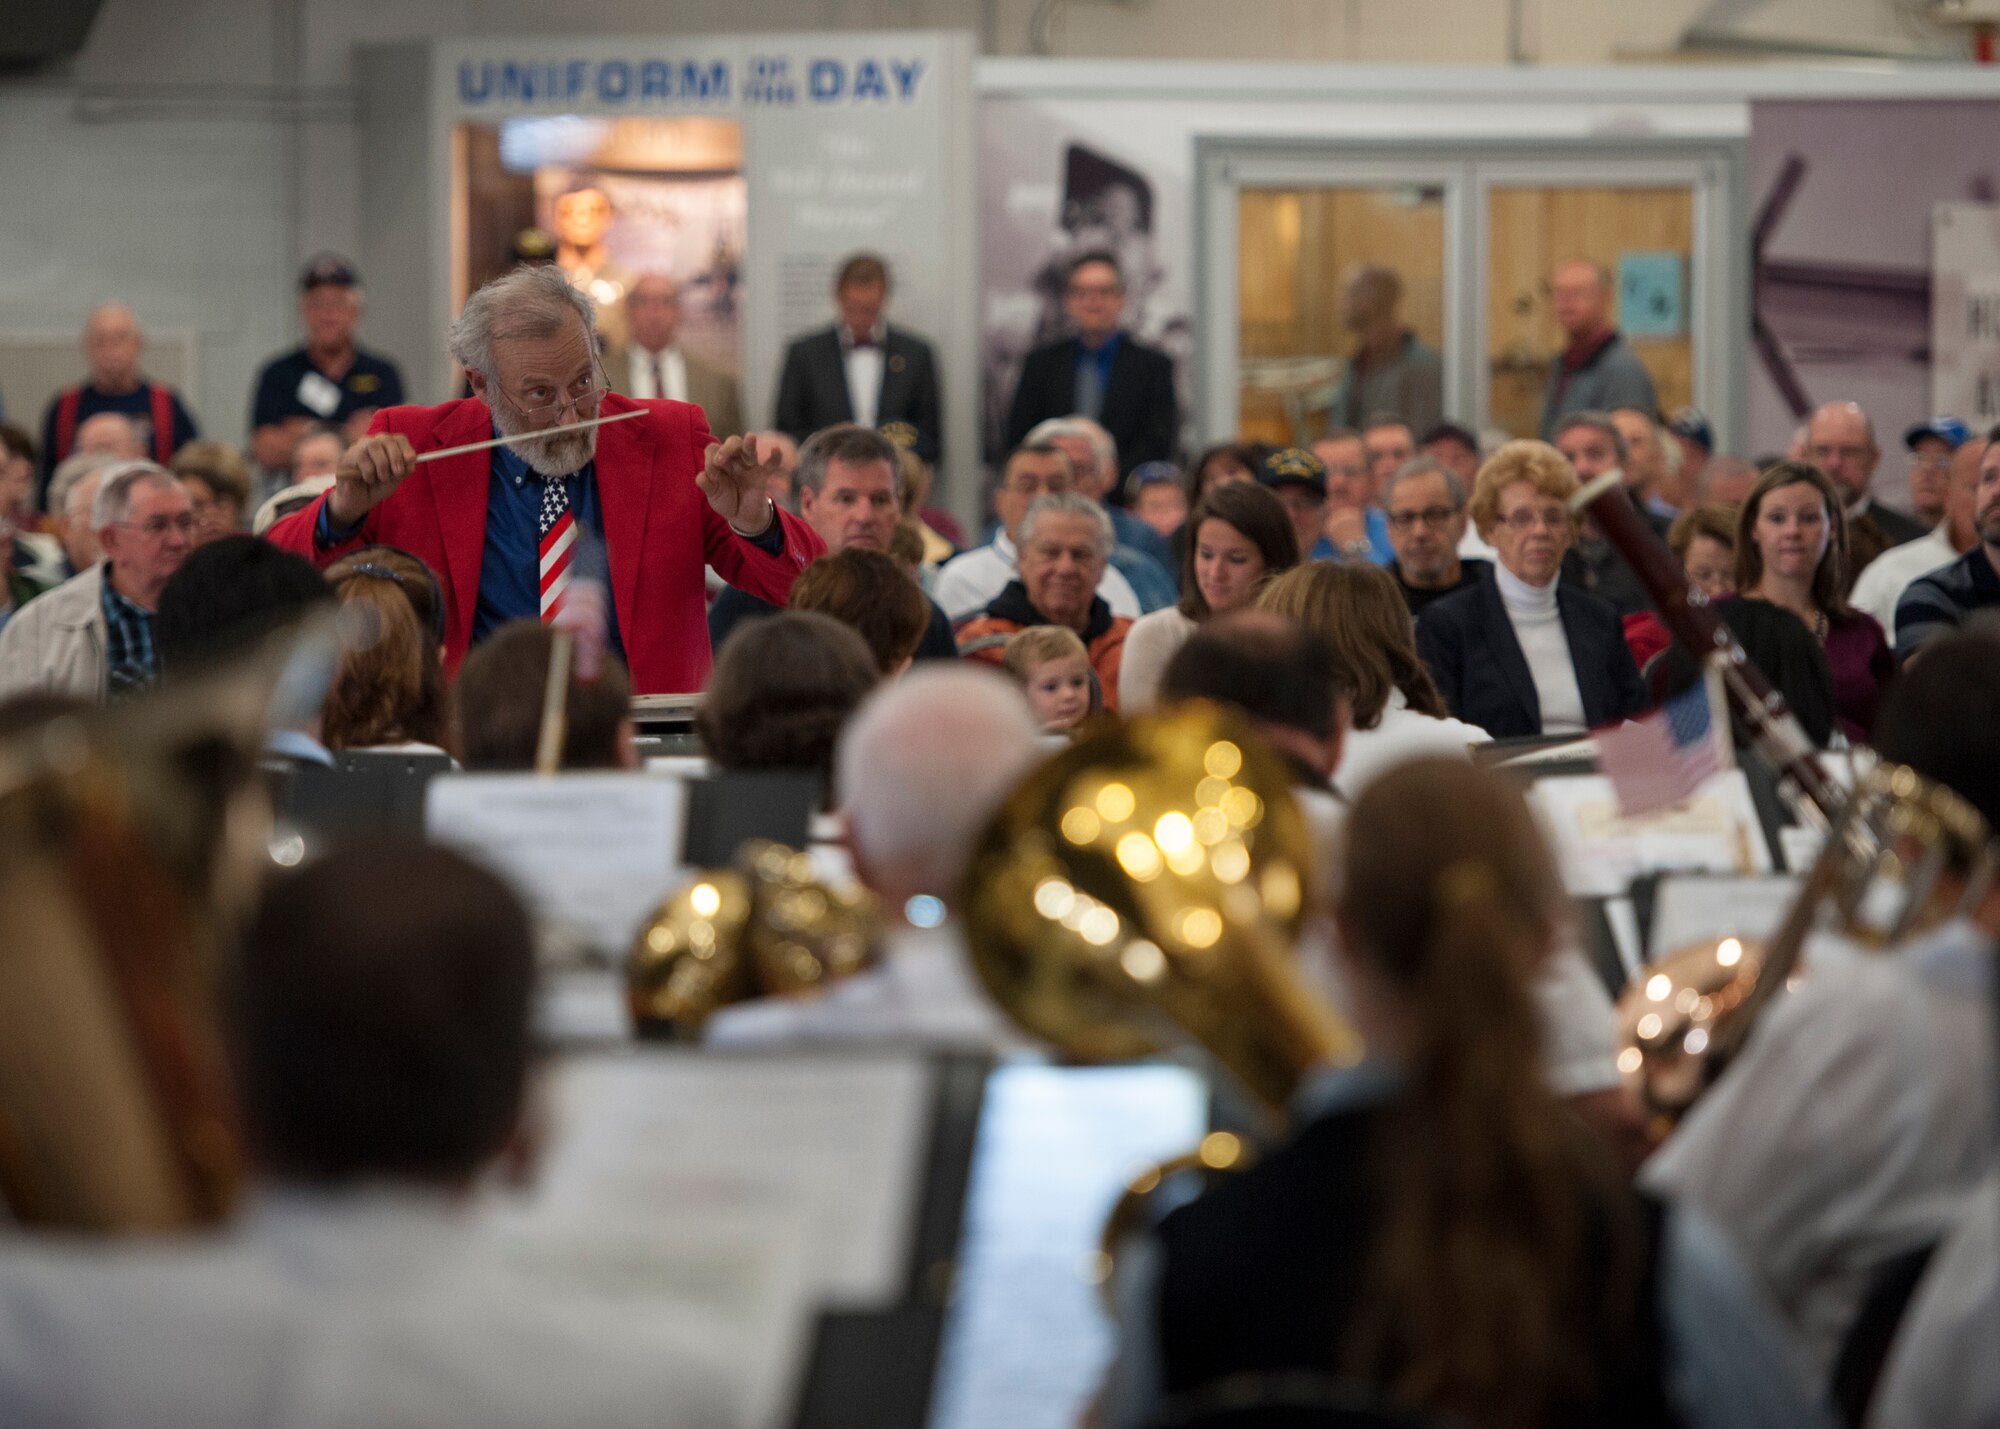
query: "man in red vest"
112, 345
506, 530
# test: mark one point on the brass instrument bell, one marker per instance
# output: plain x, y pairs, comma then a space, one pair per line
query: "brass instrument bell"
1144, 888
768, 926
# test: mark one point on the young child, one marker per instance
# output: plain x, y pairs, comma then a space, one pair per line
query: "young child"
1050, 661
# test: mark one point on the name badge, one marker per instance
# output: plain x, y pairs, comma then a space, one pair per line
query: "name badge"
319, 395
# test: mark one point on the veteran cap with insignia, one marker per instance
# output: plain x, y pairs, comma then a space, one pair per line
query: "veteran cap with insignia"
1293, 466
329, 270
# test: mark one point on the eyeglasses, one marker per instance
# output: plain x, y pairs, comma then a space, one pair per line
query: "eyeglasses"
1429, 516
1038, 485
1528, 518
540, 401
153, 528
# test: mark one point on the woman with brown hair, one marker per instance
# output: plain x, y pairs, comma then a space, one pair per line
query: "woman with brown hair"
1791, 552
1438, 1236
781, 691
1393, 705
1238, 537
874, 595
388, 691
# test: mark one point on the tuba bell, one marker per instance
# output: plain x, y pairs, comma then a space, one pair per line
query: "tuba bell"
769, 926
1144, 889
1880, 878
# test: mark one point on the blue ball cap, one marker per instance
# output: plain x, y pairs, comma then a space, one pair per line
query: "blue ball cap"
1949, 430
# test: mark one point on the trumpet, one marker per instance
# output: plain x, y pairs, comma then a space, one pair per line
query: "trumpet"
769, 926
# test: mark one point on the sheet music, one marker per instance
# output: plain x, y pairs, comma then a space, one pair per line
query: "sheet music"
1688, 910
1601, 852
593, 854
748, 1192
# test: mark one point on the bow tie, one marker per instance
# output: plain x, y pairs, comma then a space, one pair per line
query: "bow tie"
857, 343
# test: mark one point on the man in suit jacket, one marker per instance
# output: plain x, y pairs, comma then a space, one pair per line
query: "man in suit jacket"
1103, 373
500, 528
1840, 441
861, 370
652, 366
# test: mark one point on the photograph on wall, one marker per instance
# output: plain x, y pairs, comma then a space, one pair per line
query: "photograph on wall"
608, 200
1054, 187
1842, 203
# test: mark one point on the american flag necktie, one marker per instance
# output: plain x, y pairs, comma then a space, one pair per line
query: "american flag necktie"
558, 530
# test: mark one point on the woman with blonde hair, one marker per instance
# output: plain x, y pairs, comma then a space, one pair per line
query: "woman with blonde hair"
1522, 652
1394, 709
1437, 1237
388, 691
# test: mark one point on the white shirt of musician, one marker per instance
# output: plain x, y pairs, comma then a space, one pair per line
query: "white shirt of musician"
864, 373
657, 375
1853, 1127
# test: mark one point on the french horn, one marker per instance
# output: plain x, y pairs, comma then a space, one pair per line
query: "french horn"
1880, 878
768, 926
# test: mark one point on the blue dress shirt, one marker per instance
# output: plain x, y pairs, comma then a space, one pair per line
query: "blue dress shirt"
1380, 552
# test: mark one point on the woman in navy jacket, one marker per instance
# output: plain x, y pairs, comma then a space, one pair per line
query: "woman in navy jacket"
1520, 653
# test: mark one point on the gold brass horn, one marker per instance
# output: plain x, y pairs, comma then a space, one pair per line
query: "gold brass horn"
1878, 880
1144, 888
768, 927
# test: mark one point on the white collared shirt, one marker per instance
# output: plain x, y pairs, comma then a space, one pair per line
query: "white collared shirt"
864, 373
672, 371
1884, 579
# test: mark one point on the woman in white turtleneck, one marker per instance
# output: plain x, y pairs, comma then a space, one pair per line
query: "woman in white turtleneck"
1520, 653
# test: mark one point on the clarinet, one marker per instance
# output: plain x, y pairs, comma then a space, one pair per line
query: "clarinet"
1684, 610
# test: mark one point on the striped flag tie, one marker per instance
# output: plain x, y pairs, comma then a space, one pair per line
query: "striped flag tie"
558, 528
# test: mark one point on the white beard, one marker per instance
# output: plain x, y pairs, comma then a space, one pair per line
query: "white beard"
550, 453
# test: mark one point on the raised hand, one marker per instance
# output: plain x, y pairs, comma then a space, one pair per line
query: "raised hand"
372, 468
736, 480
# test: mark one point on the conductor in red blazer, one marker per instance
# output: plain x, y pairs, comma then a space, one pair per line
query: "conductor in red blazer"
500, 527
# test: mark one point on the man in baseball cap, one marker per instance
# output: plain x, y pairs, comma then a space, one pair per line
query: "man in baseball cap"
1298, 479
328, 379
1931, 444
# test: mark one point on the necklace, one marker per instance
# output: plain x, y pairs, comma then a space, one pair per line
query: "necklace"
1819, 626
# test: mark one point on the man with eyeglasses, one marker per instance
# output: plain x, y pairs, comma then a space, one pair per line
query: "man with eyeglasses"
1840, 441
1426, 523
642, 504
1102, 372
970, 581
91, 637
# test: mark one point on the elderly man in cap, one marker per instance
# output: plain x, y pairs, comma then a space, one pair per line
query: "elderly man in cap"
329, 378
642, 503
1931, 445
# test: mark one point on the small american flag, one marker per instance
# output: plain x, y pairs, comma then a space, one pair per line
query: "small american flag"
1664, 757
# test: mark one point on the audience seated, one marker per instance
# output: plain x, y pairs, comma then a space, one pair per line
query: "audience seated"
1336, 508
388, 690
1592, 444
1436, 1233
1143, 556
871, 592
781, 691
969, 581
218, 485
1156, 494
72, 493
1879, 588
1222, 464
1394, 709
1240, 538
1053, 668
111, 434
1389, 441
912, 806
1840, 441
93, 635
1065, 542
1858, 1118
1791, 547
1425, 507
1938, 603
380, 1026
1524, 652
497, 706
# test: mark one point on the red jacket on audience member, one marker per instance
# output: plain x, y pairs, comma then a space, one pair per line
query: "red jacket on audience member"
659, 528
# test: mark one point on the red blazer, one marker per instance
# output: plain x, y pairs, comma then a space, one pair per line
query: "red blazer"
658, 527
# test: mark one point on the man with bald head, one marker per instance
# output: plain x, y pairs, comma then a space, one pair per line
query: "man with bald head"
653, 366
1389, 371
1597, 370
1840, 441
112, 346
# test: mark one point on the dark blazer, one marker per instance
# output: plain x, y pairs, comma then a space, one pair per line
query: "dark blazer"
812, 392
1468, 643
1139, 407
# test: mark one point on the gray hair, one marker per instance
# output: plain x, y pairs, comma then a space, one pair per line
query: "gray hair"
121, 479
1426, 466
1069, 503
1597, 422
914, 803
1103, 446
69, 474
533, 301
850, 443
